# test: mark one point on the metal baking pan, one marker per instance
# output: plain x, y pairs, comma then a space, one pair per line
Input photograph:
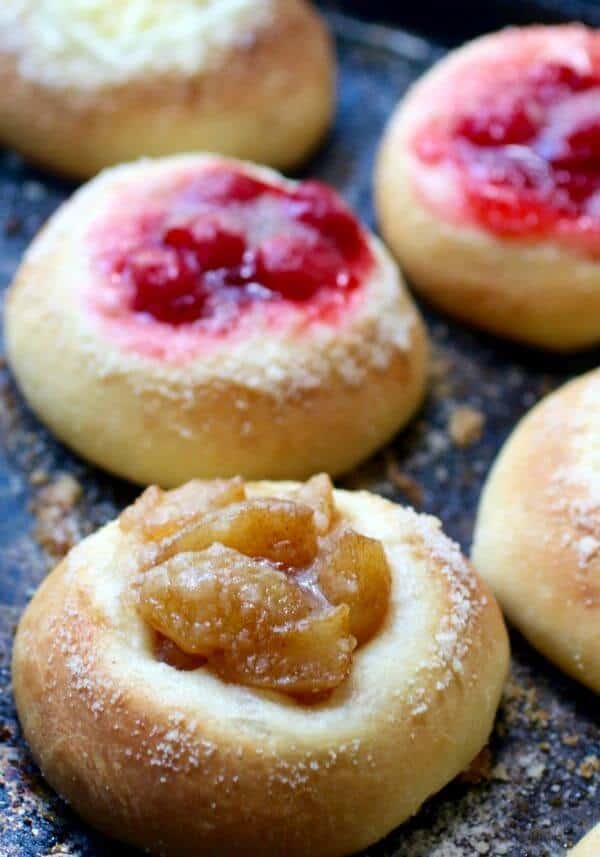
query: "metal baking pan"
535, 792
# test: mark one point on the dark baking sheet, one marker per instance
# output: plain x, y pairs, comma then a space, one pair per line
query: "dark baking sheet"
537, 790
453, 23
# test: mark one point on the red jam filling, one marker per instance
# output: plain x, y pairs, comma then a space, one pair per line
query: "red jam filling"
225, 241
527, 154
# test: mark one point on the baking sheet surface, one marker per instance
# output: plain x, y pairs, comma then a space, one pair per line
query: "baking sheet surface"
535, 791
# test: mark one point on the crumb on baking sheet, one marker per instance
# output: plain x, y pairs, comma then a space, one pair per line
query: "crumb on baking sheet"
465, 425
57, 529
440, 368
382, 475
63, 492
405, 483
60, 849
589, 766
500, 772
38, 476
539, 717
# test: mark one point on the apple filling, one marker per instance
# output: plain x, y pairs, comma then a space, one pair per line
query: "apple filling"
269, 592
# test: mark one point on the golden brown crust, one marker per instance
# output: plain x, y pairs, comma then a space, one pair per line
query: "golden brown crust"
182, 763
537, 537
536, 292
276, 411
280, 79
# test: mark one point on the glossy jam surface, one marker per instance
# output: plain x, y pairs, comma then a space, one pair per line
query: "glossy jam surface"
223, 242
525, 152
269, 592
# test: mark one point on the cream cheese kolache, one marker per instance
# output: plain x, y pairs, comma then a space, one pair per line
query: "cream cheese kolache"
488, 180
85, 84
272, 668
201, 317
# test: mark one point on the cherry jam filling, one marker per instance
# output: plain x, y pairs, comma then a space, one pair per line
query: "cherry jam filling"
528, 157
228, 240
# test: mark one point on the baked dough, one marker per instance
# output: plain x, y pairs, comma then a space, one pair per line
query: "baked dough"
537, 537
84, 85
289, 388
589, 846
182, 763
481, 224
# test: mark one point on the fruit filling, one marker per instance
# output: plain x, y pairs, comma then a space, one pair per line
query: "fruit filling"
269, 592
526, 150
223, 241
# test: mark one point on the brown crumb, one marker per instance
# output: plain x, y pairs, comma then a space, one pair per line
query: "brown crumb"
57, 529
589, 766
479, 770
440, 367
38, 476
465, 425
539, 716
570, 740
406, 484
513, 691
65, 491
500, 772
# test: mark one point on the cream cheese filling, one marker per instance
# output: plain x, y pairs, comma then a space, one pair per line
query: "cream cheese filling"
94, 43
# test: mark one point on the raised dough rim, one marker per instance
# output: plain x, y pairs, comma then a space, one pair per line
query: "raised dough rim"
385, 681
385, 306
401, 125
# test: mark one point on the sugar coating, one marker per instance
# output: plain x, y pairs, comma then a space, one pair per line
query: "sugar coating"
453, 640
88, 44
574, 487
